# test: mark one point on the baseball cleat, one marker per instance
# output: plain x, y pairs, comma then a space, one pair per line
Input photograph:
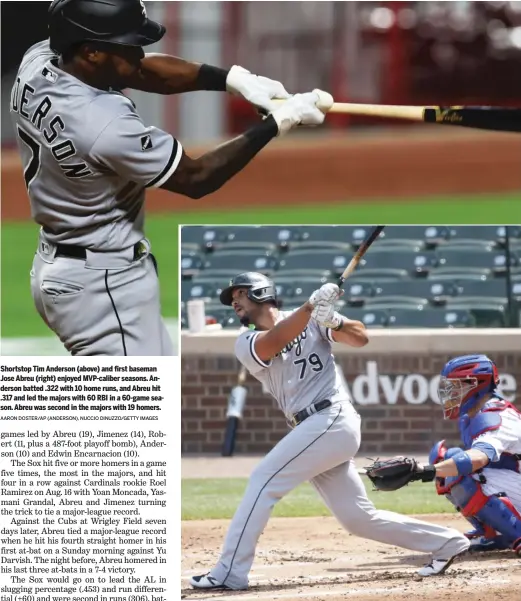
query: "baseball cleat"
438, 566
205, 581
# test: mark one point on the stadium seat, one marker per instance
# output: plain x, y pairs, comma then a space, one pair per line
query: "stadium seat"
412, 236
493, 233
436, 292
267, 237
191, 264
516, 290
372, 318
469, 245
474, 259
357, 292
207, 290
431, 318
390, 303
399, 275
312, 263
486, 289
226, 264
326, 237
452, 274
202, 237
416, 264
488, 314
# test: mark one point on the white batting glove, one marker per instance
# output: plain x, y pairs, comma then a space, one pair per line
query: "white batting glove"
302, 109
328, 293
325, 315
256, 89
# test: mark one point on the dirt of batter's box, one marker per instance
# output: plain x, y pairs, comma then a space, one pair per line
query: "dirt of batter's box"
315, 558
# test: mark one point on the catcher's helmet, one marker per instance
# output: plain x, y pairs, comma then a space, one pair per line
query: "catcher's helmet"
464, 382
121, 22
260, 288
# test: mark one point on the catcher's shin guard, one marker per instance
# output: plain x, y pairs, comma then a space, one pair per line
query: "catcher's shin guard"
494, 512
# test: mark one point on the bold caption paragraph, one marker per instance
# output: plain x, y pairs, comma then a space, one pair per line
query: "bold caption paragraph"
79, 392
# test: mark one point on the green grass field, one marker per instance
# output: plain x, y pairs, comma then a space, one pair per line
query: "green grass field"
217, 498
20, 319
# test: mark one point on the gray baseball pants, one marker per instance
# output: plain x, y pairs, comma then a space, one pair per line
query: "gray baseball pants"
107, 304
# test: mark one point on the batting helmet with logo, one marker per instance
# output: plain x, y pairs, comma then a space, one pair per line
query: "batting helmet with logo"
121, 22
260, 288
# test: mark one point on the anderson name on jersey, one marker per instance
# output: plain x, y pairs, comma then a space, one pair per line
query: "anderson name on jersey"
87, 156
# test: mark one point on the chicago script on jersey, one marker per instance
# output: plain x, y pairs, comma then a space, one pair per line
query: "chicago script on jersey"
297, 343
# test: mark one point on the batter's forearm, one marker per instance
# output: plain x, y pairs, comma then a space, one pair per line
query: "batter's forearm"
165, 74
198, 177
352, 332
271, 342
221, 164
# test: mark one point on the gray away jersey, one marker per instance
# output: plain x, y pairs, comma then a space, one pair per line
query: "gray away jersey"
302, 374
87, 156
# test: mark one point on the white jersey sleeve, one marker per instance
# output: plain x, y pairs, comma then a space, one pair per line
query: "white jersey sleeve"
144, 155
326, 333
245, 352
506, 438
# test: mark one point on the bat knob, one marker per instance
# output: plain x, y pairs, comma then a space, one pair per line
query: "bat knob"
325, 100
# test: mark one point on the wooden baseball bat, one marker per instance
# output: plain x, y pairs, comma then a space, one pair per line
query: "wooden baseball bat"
479, 117
236, 401
359, 254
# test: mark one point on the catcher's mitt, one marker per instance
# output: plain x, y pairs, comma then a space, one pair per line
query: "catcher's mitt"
395, 473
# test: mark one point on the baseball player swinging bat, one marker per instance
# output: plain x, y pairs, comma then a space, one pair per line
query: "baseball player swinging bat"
237, 397
236, 401
478, 117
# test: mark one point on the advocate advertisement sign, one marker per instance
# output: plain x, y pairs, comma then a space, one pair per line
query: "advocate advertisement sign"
374, 388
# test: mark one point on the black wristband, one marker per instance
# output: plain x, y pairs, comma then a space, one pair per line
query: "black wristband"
212, 78
264, 131
428, 474
339, 326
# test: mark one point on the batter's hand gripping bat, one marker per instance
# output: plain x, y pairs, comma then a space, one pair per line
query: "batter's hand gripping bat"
236, 401
478, 117
363, 248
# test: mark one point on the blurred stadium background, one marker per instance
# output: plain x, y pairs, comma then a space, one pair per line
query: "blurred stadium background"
345, 172
425, 292
413, 276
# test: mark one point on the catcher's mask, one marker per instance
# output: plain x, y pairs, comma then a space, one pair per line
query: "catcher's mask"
464, 382
260, 288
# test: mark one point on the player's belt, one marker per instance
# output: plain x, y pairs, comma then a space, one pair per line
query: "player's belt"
78, 252
299, 417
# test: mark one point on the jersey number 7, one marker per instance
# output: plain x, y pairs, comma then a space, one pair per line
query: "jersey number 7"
31, 171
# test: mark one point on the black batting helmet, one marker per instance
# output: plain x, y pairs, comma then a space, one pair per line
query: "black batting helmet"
121, 22
260, 288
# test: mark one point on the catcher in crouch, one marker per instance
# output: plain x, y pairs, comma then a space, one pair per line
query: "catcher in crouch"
482, 480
